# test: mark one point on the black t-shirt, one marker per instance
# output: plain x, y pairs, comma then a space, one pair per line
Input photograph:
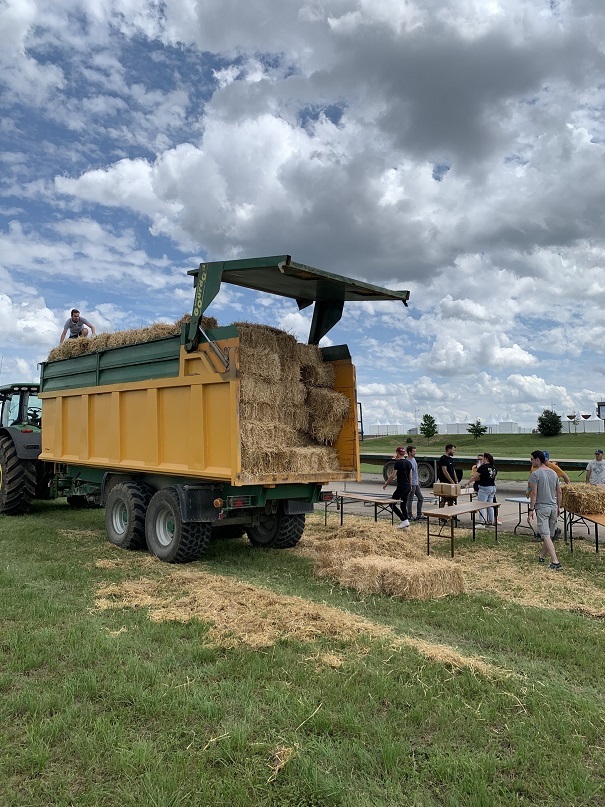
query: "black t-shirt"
487, 475
449, 464
403, 468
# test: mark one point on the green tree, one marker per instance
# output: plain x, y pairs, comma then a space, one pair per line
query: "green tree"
476, 429
549, 424
428, 427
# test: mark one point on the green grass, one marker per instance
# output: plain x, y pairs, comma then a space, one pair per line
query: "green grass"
107, 708
565, 446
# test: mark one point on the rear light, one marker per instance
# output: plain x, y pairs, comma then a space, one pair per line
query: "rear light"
326, 496
27, 431
238, 501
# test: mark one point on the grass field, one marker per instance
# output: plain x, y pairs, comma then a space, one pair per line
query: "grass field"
565, 446
247, 680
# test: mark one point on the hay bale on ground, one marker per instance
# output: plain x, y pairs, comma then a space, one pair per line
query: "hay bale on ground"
583, 499
327, 412
407, 579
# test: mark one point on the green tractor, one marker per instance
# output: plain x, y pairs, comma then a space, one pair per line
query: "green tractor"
22, 478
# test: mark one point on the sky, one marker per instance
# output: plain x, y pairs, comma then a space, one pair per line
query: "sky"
454, 148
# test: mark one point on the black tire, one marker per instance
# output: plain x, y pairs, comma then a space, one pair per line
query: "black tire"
228, 531
388, 469
277, 531
426, 474
125, 514
17, 480
168, 538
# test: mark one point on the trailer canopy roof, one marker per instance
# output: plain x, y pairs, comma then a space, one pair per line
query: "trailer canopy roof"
280, 275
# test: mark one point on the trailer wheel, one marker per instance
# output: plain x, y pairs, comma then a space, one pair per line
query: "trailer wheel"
426, 474
388, 469
277, 531
125, 514
17, 480
168, 537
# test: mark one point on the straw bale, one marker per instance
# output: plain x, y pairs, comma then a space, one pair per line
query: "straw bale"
407, 579
583, 499
257, 434
255, 337
313, 459
313, 370
327, 412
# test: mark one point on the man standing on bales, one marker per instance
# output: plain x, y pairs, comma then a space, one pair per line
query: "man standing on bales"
415, 488
76, 326
595, 470
403, 471
545, 502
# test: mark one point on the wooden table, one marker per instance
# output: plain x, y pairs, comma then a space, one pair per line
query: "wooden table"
598, 519
450, 514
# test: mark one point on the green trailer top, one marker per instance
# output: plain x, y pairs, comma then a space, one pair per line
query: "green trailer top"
280, 275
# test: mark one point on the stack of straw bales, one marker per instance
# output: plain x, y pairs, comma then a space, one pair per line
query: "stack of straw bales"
370, 560
583, 499
290, 414
159, 330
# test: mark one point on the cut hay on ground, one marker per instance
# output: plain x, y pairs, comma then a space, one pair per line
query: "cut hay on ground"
159, 330
488, 569
359, 537
583, 499
410, 580
375, 558
241, 613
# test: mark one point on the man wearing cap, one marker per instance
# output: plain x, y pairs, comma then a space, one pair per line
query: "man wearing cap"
595, 470
403, 471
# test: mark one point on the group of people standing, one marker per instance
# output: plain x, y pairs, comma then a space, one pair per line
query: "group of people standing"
544, 490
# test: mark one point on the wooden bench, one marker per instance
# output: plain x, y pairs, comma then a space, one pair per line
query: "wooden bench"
569, 517
450, 514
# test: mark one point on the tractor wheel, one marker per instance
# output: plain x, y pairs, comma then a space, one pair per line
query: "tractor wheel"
125, 514
17, 480
168, 538
277, 531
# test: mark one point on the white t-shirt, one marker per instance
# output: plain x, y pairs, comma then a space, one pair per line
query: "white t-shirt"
597, 472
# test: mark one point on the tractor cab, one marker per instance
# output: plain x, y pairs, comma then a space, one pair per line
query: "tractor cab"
21, 407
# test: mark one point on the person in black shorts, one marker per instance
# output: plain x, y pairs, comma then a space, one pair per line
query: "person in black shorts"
403, 471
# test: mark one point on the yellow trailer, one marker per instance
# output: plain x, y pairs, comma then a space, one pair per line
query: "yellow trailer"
180, 438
